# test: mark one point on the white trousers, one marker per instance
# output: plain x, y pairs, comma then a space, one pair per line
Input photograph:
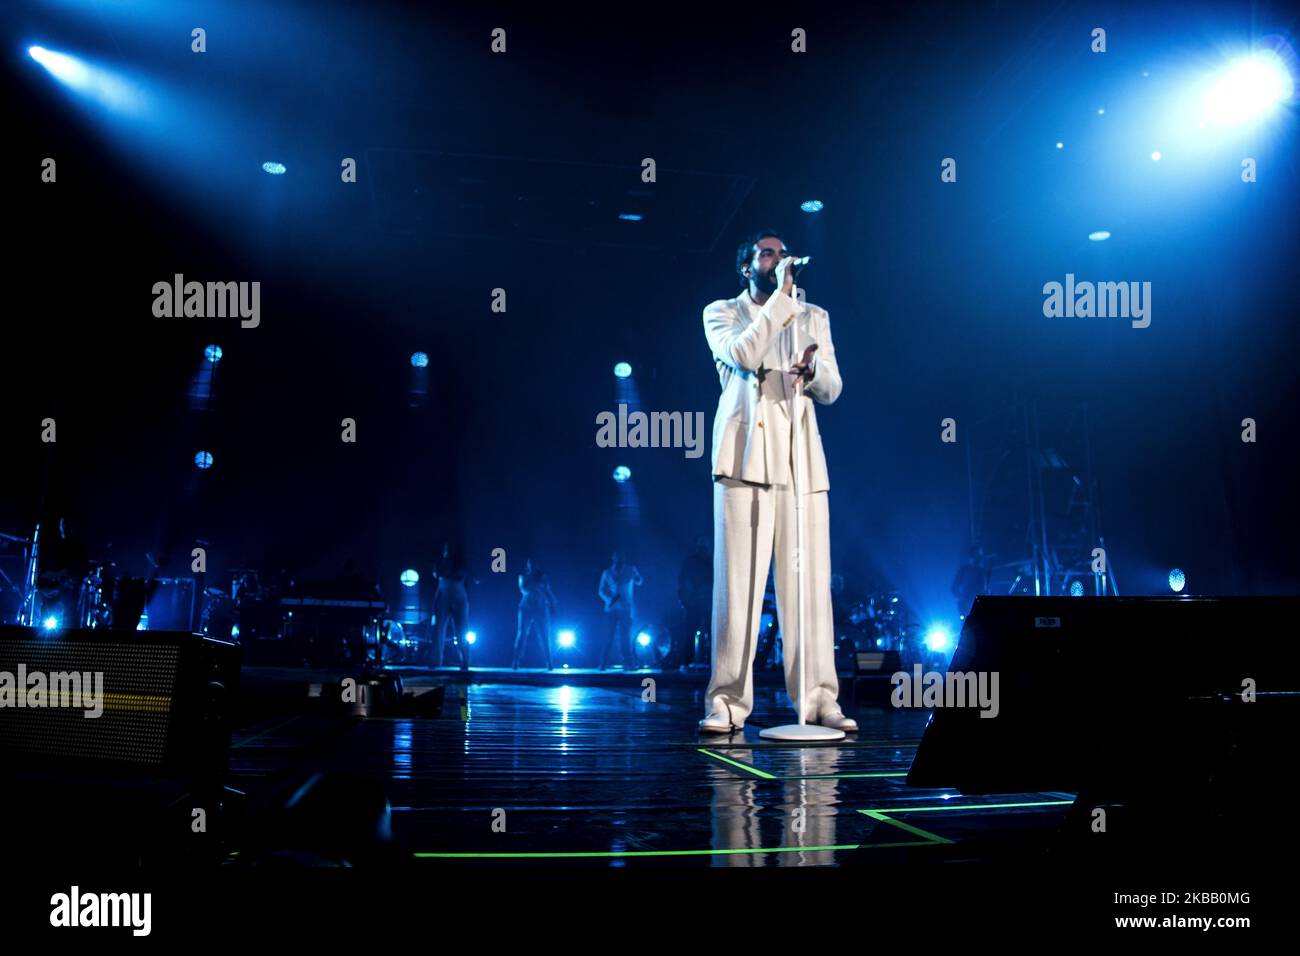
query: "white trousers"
749, 521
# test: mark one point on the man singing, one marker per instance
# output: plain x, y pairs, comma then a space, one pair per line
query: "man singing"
752, 340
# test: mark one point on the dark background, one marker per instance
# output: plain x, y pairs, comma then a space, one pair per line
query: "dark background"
478, 171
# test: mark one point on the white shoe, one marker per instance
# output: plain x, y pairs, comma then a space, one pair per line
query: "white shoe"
719, 719
838, 721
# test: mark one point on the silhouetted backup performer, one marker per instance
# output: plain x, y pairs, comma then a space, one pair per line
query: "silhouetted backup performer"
617, 586
972, 579
751, 338
695, 594
536, 602
450, 603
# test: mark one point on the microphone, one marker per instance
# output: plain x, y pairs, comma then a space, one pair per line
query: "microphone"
798, 264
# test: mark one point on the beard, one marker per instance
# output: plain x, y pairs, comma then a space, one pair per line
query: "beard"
765, 281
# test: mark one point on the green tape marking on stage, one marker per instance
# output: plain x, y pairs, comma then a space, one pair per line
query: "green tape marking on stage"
972, 806
928, 837
606, 854
880, 814
811, 776
883, 814
736, 763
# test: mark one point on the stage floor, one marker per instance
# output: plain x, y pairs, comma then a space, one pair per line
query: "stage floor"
576, 774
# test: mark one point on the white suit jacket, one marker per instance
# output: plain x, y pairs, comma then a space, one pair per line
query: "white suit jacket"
753, 347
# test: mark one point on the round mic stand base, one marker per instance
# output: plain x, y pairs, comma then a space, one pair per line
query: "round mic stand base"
807, 733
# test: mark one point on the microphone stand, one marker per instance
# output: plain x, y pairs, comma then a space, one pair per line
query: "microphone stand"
802, 731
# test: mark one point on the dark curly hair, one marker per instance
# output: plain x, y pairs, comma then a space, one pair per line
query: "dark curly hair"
745, 252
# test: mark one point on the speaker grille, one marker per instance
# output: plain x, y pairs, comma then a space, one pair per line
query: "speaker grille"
139, 681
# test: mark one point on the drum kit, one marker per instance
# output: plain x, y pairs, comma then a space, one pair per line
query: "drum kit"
246, 610
402, 646
53, 598
60, 601
89, 594
48, 581
881, 622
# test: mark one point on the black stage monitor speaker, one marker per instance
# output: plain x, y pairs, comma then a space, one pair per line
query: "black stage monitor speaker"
1121, 697
158, 703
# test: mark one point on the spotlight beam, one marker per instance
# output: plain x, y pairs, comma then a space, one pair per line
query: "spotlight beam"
95, 83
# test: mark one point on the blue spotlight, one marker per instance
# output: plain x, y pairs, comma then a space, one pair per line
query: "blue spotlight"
622, 370
643, 639
937, 638
1101, 235
213, 354
1060, 145
203, 460
106, 88
1101, 111
143, 623
50, 623
1248, 88
470, 637
419, 360
1177, 580
622, 473
61, 66
630, 216
567, 638
812, 205
1076, 589
410, 578
274, 168
1155, 157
